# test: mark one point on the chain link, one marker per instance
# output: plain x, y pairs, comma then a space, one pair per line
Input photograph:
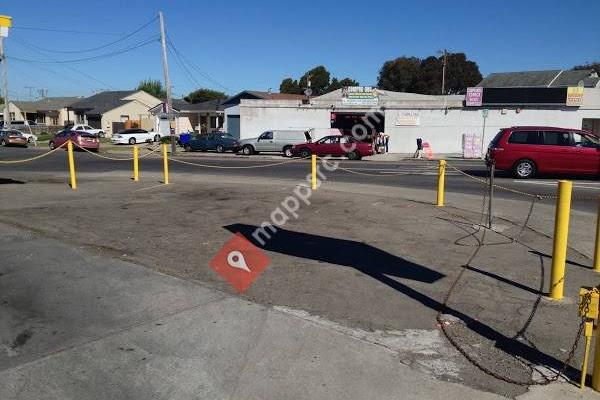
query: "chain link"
480, 244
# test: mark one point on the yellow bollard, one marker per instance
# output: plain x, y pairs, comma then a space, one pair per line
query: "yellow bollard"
136, 166
561, 235
313, 180
596, 365
441, 183
165, 164
588, 330
597, 250
71, 165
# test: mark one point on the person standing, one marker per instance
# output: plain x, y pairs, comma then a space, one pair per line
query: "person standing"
419, 152
386, 142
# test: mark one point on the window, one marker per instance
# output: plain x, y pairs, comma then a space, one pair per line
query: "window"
124, 118
584, 140
329, 140
87, 128
524, 137
557, 138
266, 136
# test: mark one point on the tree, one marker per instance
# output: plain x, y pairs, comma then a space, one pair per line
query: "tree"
592, 65
399, 75
201, 95
320, 82
410, 74
291, 86
153, 87
335, 84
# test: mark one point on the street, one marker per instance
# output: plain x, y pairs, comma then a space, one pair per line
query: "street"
418, 174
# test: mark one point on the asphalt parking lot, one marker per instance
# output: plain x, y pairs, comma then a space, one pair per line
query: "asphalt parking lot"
370, 257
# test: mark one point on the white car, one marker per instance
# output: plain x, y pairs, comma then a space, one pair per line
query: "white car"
133, 136
31, 138
88, 129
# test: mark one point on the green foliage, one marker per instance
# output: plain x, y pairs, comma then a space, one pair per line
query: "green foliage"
320, 79
289, 85
592, 65
153, 87
411, 74
201, 95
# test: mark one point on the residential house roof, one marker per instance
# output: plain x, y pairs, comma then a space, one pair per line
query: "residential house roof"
183, 106
103, 101
258, 95
46, 104
550, 78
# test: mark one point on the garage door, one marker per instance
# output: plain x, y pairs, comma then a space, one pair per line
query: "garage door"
233, 125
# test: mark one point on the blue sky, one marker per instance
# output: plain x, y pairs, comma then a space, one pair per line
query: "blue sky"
254, 44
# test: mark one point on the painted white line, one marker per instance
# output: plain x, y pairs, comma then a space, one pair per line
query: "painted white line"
584, 185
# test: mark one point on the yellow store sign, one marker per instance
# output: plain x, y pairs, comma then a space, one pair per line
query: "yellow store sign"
574, 96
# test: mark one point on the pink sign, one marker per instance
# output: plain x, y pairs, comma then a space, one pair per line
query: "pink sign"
474, 97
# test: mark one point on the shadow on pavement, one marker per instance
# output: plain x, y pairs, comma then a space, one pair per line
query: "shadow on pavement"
361, 256
8, 181
380, 265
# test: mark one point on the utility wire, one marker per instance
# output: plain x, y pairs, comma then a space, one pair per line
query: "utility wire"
127, 36
91, 58
205, 75
184, 68
68, 66
32, 28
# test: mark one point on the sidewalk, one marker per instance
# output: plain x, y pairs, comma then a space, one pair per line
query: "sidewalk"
81, 326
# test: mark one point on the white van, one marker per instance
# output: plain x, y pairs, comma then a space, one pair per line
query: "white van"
275, 141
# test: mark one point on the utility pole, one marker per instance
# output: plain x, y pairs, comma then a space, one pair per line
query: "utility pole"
444, 71
30, 91
5, 23
163, 42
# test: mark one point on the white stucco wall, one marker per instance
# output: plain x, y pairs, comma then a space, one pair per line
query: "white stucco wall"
134, 110
255, 120
442, 128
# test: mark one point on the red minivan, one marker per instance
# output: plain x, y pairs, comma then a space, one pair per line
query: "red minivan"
528, 150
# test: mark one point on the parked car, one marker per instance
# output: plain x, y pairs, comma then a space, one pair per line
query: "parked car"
12, 137
81, 139
87, 129
219, 142
18, 124
135, 135
276, 141
529, 150
337, 146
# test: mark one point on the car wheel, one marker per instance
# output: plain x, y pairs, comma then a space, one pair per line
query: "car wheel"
220, 148
247, 150
187, 147
524, 169
353, 155
287, 151
51, 145
132, 140
157, 138
101, 134
3, 142
305, 153
29, 140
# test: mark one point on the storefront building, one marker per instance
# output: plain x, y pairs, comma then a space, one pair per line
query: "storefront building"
440, 120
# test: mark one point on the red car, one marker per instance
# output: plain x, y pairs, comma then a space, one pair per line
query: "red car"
337, 146
528, 150
82, 139
12, 138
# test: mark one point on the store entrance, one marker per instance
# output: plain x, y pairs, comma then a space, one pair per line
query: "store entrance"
361, 123
592, 125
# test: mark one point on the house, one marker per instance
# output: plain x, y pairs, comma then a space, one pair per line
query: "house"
111, 110
201, 117
231, 106
50, 111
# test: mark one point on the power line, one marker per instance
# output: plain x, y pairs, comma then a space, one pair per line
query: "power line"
68, 66
127, 36
184, 68
91, 58
32, 28
204, 74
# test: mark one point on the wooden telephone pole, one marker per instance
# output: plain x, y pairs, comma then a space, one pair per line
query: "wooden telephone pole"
163, 42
